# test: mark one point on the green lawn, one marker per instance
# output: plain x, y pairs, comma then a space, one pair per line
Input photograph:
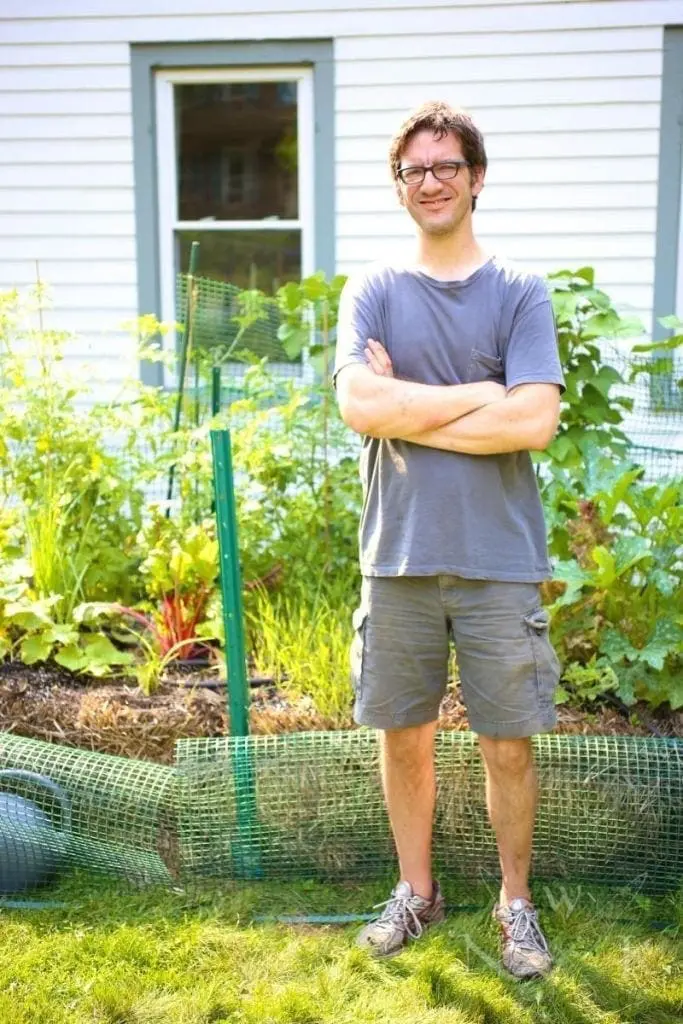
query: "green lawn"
118, 957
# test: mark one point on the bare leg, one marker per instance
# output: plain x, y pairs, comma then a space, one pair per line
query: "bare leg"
511, 796
410, 792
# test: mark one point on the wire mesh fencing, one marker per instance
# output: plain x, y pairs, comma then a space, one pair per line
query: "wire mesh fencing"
62, 808
654, 424
310, 805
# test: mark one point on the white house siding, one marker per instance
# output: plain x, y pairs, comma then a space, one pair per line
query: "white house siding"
567, 94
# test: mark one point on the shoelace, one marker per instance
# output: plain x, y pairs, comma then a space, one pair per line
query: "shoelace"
525, 930
400, 908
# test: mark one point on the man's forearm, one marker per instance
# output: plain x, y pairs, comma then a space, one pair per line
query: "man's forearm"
512, 425
388, 407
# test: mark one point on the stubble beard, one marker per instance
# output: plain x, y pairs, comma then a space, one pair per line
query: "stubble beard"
435, 229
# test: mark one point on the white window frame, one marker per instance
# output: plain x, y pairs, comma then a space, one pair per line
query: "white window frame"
679, 262
167, 170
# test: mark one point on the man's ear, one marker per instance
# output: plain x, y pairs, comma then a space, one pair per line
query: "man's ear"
477, 175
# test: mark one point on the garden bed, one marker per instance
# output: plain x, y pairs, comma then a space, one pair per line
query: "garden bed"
115, 717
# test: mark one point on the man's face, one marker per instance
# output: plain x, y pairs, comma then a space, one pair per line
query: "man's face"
438, 207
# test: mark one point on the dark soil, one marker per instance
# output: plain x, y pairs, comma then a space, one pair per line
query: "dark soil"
115, 717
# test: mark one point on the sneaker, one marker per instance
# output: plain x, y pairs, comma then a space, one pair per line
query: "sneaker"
405, 917
525, 950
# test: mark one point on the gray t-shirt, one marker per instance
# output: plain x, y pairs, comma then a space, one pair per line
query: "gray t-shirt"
430, 512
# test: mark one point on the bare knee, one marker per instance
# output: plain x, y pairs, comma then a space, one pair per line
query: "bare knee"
504, 757
413, 745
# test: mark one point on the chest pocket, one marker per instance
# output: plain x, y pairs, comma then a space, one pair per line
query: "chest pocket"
484, 366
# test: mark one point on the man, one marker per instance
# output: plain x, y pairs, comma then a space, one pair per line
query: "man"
448, 367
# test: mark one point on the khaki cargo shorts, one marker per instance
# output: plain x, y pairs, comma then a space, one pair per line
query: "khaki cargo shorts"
399, 655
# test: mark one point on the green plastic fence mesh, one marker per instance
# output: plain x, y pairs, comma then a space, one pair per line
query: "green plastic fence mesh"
214, 327
62, 808
309, 805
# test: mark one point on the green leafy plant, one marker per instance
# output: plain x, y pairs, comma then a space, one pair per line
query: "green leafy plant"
587, 682
179, 572
80, 508
34, 629
302, 642
621, 577
585, 316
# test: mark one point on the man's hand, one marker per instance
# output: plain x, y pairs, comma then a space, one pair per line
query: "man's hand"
525, 421
378, 359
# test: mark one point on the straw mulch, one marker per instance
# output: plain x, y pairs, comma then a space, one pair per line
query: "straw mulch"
48, 703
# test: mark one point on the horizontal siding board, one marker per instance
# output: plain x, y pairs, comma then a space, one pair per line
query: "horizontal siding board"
83, 297
58, 272
66, 200
292, 24
72, 127
631, 297
64, 101
91, 246
385, 48
71, 225
520, 145
603, 117
96, 150
548, 171
32, 79
67, 54
562, 68
76, 9
57, 176
100, 323
577, 196
491, 95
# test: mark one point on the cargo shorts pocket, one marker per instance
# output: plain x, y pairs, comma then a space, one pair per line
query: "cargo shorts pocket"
359, 619
537, 624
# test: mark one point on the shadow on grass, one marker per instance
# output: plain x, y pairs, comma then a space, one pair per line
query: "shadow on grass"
636, 1006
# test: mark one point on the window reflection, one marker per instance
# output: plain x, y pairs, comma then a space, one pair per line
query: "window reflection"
248, 259
237, 150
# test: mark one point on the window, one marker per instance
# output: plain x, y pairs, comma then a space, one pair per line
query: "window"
233, 147
235, 173
669, 260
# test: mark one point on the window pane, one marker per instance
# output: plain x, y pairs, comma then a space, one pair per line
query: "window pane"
237, 259
248, 259
237, 150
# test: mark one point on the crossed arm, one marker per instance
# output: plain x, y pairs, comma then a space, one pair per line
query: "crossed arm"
477, 419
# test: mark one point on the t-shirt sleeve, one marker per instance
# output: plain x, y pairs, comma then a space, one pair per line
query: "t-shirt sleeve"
359, 319
531, 352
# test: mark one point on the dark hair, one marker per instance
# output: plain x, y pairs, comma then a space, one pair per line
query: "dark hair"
442, 120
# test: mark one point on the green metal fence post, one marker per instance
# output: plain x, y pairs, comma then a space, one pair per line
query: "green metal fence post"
245, 855
186, 346
231, 585
215, 390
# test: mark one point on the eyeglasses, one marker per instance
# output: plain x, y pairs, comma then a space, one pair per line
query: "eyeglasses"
445, 170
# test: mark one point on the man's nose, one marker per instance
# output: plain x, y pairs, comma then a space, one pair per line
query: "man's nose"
431, 183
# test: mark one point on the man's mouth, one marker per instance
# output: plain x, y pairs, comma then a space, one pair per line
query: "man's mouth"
434, 204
